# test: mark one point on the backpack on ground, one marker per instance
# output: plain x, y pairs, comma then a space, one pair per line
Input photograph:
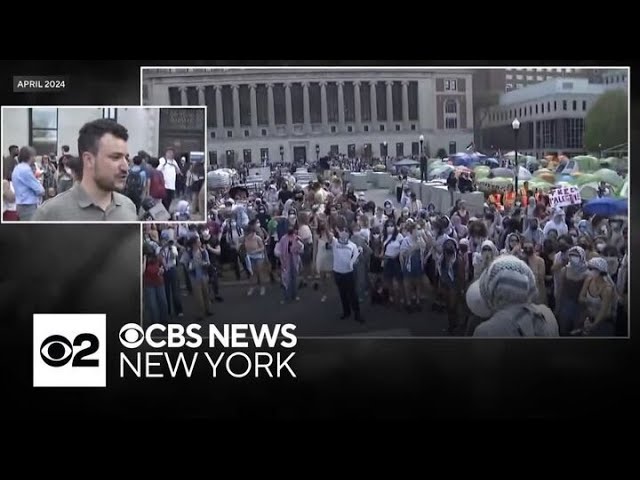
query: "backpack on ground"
156, 185
134, 185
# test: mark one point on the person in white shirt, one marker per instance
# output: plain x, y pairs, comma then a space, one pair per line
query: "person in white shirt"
9, 209
412, 251
379, 219
392, 270
170, 170
414, 205
345, 255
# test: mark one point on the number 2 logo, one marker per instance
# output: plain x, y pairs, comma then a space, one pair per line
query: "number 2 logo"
57, 351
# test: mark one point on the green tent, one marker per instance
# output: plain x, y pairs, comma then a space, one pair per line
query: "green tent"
609, 176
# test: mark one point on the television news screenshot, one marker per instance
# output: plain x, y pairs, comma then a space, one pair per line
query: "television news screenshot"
316, 241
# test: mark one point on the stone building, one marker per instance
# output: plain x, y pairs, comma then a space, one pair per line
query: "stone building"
295, 114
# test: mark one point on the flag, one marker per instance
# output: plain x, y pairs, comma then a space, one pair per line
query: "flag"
471, 146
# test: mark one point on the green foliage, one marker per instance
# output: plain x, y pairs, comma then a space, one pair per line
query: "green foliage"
606, 122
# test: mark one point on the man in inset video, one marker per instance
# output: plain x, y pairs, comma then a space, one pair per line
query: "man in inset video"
102, 172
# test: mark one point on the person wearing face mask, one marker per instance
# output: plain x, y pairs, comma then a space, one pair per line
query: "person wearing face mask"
584, 228
482, 260
345, 256
571, 280
392, 270
534, 234
451, 283
536, 264
255, 250
404, 215
512, 245
288, 250
379, 219
462, 213
557, 223
411, 254
505, 295
598, 296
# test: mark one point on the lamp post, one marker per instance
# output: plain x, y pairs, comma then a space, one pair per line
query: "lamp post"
281, 154
317, 152
385, 155
516, 127
422, 167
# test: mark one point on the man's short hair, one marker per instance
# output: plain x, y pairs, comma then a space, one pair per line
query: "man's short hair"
13, 147
65, 148
170, 149
137, 160
25, 154
91, 133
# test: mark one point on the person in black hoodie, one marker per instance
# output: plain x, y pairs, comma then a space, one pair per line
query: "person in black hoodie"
452, 185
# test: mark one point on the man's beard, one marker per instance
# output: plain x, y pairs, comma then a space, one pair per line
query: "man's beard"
108, 185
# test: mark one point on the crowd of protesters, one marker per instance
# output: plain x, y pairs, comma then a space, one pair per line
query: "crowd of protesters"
521, 268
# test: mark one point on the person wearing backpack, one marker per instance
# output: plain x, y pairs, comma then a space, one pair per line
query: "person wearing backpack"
136, 186
157, 189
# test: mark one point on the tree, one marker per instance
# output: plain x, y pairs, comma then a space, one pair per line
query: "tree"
442, 153
606, 123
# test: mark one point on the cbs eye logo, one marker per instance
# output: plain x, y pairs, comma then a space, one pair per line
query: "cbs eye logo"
69, 350
56, 351
131, 335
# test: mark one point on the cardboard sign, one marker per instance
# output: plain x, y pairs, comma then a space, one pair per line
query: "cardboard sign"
565, 196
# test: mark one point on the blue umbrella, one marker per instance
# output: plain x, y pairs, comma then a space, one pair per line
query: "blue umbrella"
606, 207
490, 162
462, 159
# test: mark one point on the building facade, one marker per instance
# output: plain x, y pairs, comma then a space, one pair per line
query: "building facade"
300, 114
150, 129
551, 115
616, 79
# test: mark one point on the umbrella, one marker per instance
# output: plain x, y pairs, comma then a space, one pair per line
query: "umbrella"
585, 178
441, 171
462, 169
609, 176
523, 174
490, 162
499, 181
586, 162
465, 159
606, 207
511, 155
541, 171
624, 190
503, 172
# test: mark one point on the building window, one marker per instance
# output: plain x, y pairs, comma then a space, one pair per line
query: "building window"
450, 114
244, 97
365, 102
212, 134
279, 104
564, 105
584, 105
227, 106
399, 149
43, 130
246, 133
110, 113
264, 132
349, 129
548, 133
539, 78
332, 102
508, 76
381, 101
413, 101
351, 150
574, 129
415, 148
529, 78
555, 106
519, 77
567, 85
366, 128
413, 127
536, 109
262, 104
297, 107
451, 85
349, 102
396, 101
530, 109
174, 96
548, 106
335, 151
333, 129
520, 112
452, 148
192, 96
229, 134
210, 102
264, 155
508, 87
451, 123
382, 128
397, 128
519, 85
575, 105
213, 159
246, 155
542, 107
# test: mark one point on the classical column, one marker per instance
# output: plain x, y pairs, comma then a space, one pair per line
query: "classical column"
289, 108
201, 95
356, 94
236, 107
183, 95
307, 107
389, 103
271, 108
341, 106
405, 104
323, 106
219, 115
374, 102
254, 108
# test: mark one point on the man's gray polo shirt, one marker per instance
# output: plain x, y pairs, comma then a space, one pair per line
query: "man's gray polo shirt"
75, 205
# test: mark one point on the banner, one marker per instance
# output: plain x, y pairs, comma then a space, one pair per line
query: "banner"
565, 196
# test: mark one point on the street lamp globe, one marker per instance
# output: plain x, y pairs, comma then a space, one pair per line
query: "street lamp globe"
515, 124
421, 138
